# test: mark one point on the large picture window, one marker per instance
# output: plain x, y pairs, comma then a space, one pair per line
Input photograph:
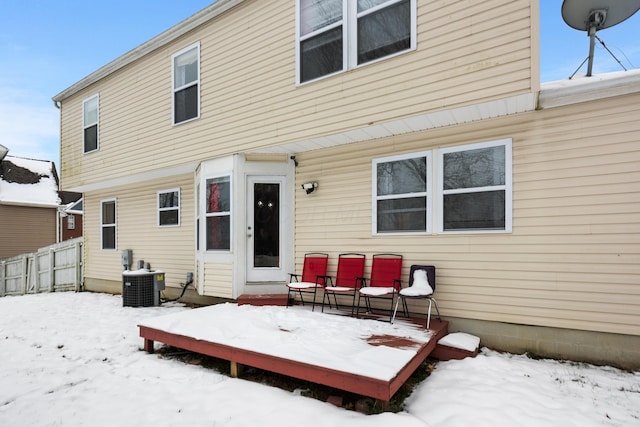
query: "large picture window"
169, 207
90, 117
108, 224
475, 187
402, 190
336, 35
186, 84
218, 213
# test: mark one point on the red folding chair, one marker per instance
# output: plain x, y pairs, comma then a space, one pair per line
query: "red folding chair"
314, 273
349, 279
384, 282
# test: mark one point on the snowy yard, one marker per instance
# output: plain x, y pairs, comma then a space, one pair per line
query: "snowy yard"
71, 359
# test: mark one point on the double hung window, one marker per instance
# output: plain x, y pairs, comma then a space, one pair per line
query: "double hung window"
336, 35
218, 213
186, 84
473, 190
90, 118
402, 193
108, 223
169, 207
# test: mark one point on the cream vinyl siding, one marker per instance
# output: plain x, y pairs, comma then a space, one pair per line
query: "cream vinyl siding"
170, 249
573, 258
218, 279
467, 52
25, 229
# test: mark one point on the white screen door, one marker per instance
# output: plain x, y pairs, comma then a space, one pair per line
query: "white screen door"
265, 228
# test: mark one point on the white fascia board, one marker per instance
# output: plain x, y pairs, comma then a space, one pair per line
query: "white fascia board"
584, 89
137, 178
162, 39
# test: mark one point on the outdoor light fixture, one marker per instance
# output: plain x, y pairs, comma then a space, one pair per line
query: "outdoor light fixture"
310, 187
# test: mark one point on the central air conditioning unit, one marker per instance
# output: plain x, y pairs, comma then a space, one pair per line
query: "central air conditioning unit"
141, 288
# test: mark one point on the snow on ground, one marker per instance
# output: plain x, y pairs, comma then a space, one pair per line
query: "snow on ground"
71, 359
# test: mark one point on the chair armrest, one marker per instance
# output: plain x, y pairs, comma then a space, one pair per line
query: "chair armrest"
362, 280
397, 283
292, 275
326, 279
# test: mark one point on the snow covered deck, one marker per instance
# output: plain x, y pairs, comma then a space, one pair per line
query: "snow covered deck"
363, 356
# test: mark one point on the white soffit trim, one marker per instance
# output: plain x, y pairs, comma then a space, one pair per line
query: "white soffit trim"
455, 116
162, 39
137, 178
583, 89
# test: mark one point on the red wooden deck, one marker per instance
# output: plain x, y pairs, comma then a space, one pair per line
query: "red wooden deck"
359, 384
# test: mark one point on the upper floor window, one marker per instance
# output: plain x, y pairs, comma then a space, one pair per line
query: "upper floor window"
402, 193
475, 187
108, 223
186, 84
218, 213
169, 207
336, 35
90, 123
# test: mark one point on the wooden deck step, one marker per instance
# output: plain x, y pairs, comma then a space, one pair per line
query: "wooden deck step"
263, 299
456, 346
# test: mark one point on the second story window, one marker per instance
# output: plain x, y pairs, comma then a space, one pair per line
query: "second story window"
90, 123
186, 84
336, 35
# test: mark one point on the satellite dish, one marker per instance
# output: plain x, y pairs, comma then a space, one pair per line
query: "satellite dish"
594, 15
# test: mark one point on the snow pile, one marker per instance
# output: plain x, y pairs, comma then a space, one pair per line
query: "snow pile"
76, 360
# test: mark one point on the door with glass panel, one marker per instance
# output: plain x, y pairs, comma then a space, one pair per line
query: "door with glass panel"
265, 228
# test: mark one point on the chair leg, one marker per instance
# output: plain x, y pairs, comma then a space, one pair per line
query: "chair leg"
395, 310
429, 315
313, 304
437, 309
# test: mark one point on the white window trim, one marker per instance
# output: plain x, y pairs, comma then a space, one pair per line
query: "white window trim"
71, 222
97, 123
349, 24
428, 193
159, 209
174, 89
205, 214
507, 187
114, 225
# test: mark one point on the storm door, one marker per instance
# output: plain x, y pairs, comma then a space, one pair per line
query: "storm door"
265, 229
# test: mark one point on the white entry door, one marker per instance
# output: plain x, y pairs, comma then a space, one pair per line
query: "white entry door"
265, 229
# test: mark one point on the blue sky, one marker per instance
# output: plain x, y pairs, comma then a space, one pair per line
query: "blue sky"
47, 45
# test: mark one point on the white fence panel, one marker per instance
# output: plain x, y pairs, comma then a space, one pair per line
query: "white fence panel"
53, 268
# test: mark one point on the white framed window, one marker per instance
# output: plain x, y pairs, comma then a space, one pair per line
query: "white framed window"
169, 207
90, 127
337, 35
402, 194
108, 218
71, 222
218, 213
475, 187
186, 84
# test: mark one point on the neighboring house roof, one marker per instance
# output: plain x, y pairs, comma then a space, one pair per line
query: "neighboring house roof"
28, 182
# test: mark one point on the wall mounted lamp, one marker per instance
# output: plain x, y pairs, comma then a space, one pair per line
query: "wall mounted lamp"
310, 187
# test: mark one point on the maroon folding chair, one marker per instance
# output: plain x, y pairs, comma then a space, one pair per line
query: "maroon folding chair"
384, 282
348, 280
314, 273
